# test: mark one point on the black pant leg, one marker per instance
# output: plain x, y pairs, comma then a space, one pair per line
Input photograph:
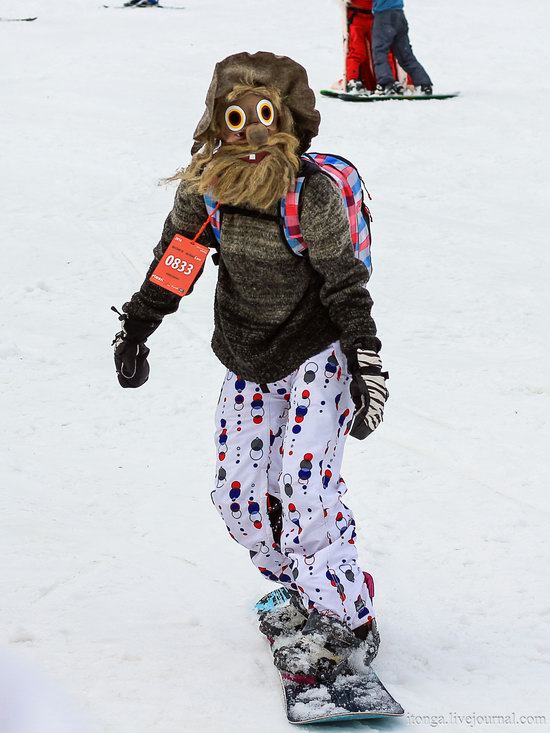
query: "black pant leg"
383, 36
402, 49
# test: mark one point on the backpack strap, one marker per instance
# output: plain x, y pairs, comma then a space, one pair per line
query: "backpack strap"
213, 211
291, 207
216, 211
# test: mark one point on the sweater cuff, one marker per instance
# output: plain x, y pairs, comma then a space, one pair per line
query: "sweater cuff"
369, 343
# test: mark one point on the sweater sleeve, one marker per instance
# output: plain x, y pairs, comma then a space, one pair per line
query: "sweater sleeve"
325, 228
151, 302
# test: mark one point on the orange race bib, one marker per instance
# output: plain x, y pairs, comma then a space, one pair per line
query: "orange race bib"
182, 262
180, 265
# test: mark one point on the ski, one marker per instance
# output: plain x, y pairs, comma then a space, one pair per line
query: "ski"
345, 97
17, 20
357, 694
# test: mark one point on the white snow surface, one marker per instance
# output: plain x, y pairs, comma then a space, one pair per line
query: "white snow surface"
119, 582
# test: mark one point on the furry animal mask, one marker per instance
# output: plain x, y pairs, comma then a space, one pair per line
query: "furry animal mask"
263, 69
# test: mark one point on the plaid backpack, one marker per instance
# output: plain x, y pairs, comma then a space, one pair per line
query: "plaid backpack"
350, 185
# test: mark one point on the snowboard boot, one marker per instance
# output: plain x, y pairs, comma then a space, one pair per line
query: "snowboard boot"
355, 86
426, 89
368, 641
318, 652
141, 3
389, 90
284, 621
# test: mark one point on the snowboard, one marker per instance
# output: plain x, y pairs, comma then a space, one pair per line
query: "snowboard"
162, 7
345, 97
356, 694
17, 20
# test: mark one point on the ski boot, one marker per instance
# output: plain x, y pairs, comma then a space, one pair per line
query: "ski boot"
284, 621
355, 86
389, 90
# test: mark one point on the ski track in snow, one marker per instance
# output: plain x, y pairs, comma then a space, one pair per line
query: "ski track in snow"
119, 582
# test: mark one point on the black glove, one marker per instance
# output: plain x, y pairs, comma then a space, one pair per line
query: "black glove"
131, 353
368, 390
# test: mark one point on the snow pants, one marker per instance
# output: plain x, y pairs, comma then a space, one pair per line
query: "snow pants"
358, 53
286, 440
390, 32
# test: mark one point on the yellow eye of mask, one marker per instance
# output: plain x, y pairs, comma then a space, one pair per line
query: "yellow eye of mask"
235, 118
266, 113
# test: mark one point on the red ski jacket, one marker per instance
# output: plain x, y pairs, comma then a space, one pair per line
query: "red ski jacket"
360, 5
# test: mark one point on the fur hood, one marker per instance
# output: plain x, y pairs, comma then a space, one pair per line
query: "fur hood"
264, 69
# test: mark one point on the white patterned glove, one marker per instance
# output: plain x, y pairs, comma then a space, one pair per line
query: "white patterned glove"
369, 391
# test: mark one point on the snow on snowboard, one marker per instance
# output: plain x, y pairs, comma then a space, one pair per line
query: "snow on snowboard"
354, 695
345, 97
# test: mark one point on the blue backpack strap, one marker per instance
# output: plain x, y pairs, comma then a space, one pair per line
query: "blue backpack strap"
215, 222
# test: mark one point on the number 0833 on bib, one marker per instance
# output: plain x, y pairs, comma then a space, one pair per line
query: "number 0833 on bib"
180, 265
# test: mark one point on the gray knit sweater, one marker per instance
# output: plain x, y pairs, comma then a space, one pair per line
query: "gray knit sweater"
273, 309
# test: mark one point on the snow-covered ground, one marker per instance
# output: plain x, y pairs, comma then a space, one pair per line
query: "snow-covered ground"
119, 583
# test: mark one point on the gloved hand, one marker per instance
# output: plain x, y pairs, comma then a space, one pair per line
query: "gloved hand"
131, 353
368, 390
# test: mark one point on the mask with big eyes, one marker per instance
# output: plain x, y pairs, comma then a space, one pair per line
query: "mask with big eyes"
249, 119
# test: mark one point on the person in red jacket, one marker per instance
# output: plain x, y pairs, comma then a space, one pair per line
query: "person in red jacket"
360, 76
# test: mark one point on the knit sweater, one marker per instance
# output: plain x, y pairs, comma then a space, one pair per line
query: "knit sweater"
273, 309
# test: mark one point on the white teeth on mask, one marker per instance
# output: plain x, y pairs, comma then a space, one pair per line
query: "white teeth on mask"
252, 156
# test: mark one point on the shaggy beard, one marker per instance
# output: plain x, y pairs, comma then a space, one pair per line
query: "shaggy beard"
231, 180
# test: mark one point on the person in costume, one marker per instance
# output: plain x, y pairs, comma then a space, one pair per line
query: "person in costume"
300, 347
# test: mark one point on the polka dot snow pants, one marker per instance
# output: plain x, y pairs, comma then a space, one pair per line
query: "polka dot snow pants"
286, 439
